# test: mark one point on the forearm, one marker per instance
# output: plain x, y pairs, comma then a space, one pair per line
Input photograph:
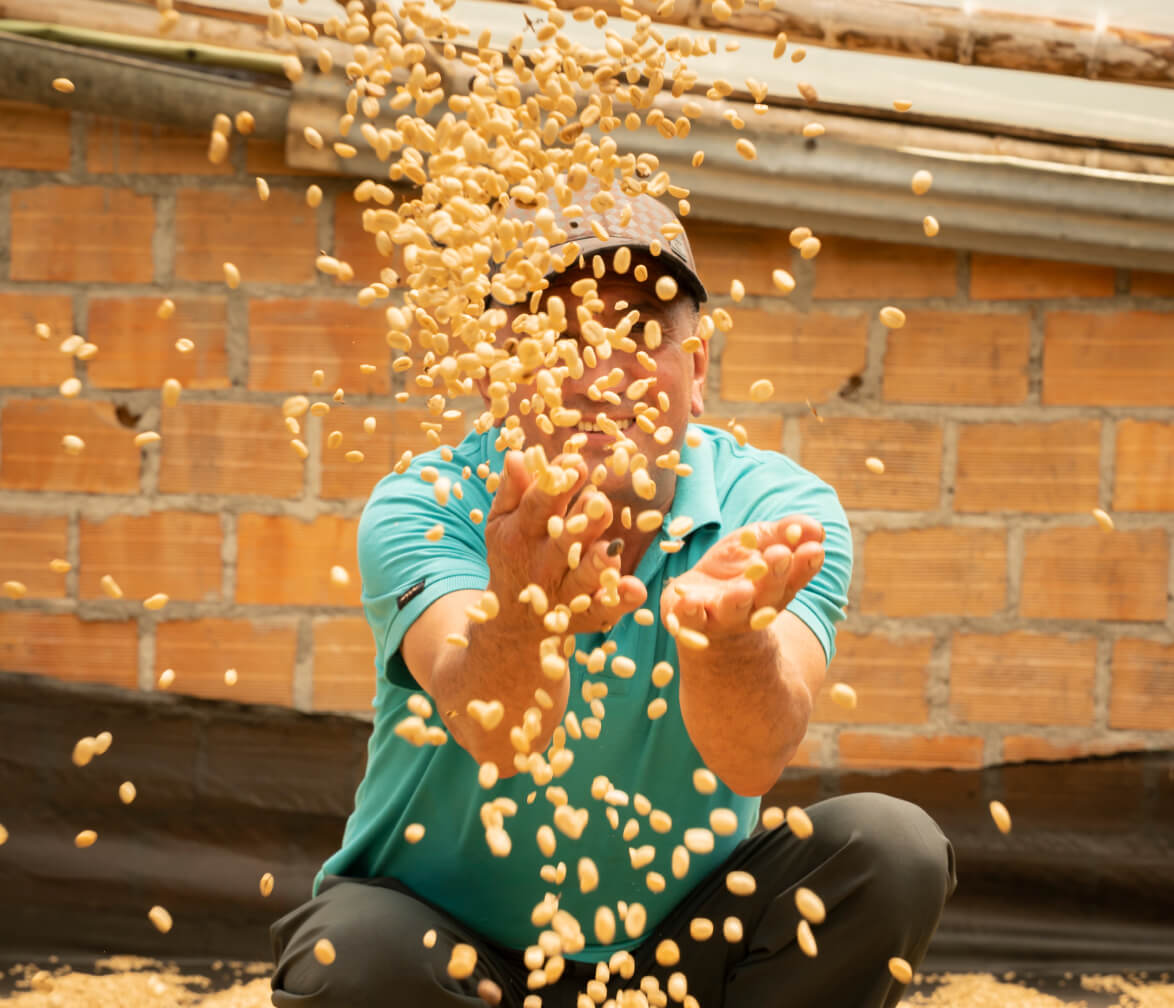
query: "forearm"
502, 662
746, 706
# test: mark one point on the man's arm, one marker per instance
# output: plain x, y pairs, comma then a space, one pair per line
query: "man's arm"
746, 698
502, 661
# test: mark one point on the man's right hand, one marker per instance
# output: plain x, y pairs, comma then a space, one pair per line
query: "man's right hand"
521, 551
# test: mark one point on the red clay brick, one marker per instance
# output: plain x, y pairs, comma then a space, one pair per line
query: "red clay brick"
200, 651
33, 137
958, 357
1021, 748
291, 338
1022, 678
1152, 284
64, 647
996, 278
267, 157
727, 252
1142, 695
344, 665
1040, 468
926, 572
27, 544
286, 561
808, 356
871, 750
32, 457
137, 148
175, 552
28, 360
82, 234
1084, 573
1145, 466
356, 246
270, 242
856, 268
1116, 359
138, 348
228, 448
889, 676
911, 450
396, 430
763, 430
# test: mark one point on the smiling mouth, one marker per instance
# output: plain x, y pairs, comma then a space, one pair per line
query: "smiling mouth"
610, 426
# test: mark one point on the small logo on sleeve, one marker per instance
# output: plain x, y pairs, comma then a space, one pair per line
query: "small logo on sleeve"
411, 593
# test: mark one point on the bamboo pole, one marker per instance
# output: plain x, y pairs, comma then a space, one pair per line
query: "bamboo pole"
198, 53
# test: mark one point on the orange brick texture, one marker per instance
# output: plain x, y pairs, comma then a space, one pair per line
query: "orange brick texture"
990, 617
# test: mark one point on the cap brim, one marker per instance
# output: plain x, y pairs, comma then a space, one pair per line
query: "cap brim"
682, 272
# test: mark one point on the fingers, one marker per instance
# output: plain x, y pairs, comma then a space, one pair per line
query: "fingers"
587, 519
514, 480
806, 563
712, 604
733, 607
606, 611
771, 588
536, 504
790, 531
587, 577
788, 573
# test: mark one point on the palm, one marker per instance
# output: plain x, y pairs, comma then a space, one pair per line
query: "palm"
744, 573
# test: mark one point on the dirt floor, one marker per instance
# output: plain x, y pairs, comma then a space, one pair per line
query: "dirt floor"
129, 982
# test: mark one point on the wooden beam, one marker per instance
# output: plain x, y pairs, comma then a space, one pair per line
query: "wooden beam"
132, 19
895, 28
133, 88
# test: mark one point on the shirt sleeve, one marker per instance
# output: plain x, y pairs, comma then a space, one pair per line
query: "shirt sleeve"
403, 570
782, 488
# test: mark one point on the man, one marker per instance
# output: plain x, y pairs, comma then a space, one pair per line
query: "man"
662, 615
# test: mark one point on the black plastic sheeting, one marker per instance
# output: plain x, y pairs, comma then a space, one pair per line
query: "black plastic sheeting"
227, 792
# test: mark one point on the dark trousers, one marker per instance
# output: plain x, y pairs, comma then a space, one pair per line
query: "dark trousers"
881, 866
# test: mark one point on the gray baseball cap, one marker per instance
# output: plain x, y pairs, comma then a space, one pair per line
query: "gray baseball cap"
599, 218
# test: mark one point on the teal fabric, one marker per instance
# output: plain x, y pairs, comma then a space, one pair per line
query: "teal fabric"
730, 486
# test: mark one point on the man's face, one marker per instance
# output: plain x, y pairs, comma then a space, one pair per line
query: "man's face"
668, 368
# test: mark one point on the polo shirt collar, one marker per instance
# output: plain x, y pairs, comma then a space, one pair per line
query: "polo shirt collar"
696, 494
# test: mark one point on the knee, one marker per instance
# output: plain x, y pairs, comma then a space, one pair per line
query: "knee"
901, 852
353, 975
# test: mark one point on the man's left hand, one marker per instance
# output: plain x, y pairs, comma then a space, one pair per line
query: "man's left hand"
718, 597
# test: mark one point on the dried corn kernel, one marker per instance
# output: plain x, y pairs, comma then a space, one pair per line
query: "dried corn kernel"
1001, 816
324, 951
901, 971
806, 939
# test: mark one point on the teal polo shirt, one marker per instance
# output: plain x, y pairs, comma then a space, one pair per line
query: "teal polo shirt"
452, 867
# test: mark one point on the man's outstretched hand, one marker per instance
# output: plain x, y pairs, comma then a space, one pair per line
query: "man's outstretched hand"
522, 552
762, 565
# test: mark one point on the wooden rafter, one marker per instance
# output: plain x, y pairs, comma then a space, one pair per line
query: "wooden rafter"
896, 28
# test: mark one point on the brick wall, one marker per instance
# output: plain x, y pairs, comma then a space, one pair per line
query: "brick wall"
990, 618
